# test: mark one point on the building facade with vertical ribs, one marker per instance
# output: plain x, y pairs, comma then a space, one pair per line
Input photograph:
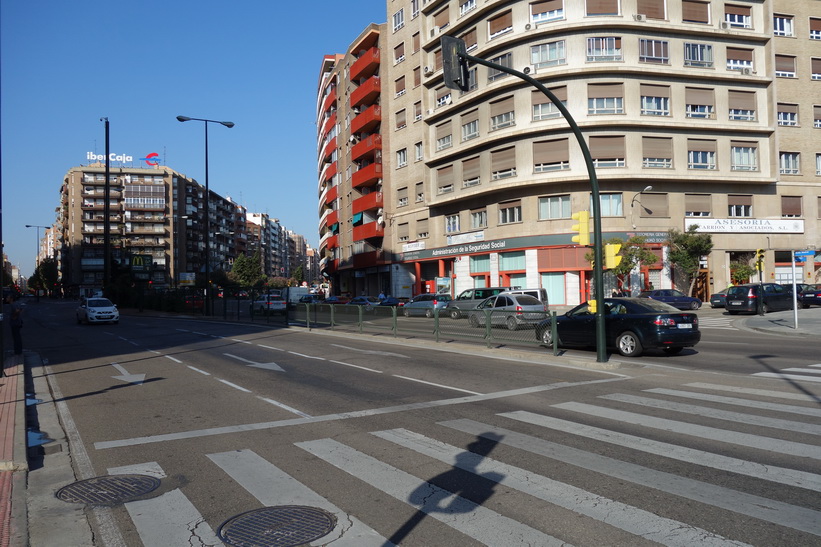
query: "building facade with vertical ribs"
694, 112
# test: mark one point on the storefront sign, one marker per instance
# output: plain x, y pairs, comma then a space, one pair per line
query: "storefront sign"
746, 225
470, 237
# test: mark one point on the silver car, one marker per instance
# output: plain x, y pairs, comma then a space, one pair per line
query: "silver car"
424, 304
511, 310
97, 310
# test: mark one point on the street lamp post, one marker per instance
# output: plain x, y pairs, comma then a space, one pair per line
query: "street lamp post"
207, 212
37, 255
634, 200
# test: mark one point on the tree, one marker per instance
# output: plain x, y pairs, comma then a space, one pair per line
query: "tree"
741, 272
247, 271
299, 275
46, 275
686, 250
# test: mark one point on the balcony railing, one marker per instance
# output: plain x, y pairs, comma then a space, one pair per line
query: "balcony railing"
366, 65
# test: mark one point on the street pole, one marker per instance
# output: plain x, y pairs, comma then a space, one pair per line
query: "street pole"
107, 217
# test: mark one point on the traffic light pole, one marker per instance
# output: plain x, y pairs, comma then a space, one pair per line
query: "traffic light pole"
455, 59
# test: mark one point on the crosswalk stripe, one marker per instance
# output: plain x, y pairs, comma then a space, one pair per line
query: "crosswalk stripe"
476, 521
802, 410
738, 417
170, 519
750, 505
754, 391
625, 517
780, 446
807, 370
787, 376
271, 486
781, 475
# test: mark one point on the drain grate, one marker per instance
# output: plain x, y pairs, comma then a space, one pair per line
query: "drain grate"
108, 490
281, 526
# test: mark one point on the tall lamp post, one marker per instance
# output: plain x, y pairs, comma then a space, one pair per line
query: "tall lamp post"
37, 256
633, 202
207, 212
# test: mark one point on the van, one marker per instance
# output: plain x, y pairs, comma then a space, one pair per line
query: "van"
538, 294
470, 298
748, 298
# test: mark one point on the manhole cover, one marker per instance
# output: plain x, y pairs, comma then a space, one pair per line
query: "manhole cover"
279, 526
108, 490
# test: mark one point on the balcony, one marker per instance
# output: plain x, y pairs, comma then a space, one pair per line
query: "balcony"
366, 202
329, 172
367, 120
328, 150
329, 123
367, 148
332, 218
368, 231
330, 100
332, 194
370, 258
367, 176
367, 93
333, 241
366, 65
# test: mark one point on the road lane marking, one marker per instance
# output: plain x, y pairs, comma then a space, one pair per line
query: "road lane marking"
286, 407
241, 341
787, 376
173, 359
254, 364
271, 486
781, 475
475, 521
306, 356
200, 371
801, 410
356, 366
270, 347
235, 386
372, 351
436, 385
620, 515
754, 391
152, 469
807, 370
170, 519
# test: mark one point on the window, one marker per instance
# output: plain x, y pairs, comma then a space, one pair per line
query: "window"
470, 129
815, 28
818, 171
791, 207
444, 180
697, 205
452, 223
442, 19
602, 7
744, 156
402, 197
401, 158
401, 120
700, 102
419, 153
506, 60
611, 205
502, 114
400, 86
739, 206
552, 155
417, 111
501, 24
607, 151
398, 20
470, 172
549, 54
785, 66
416, 43
816, 69
698, 55
444, 136
651, 9
701, 154
543, 108
473, 82
478, 219
470, 38
739, 58
654, 206
420, 192
545, 11
655, 100
510, 212
657, 152
738, 16
443, 97
503, 163
422, 228
787, 114
399, 53
402, 232
414, 9
783, 25
654, 51
788, 163
695, 11
466, 6
605, 99
742, 105
604, 49
554, 207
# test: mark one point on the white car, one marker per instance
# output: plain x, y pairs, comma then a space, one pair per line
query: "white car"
97, 310
270, 304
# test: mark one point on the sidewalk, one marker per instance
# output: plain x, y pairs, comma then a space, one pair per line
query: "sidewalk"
13, 460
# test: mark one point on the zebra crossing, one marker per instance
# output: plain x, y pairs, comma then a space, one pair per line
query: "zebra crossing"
812, 373
719, 323
548, 440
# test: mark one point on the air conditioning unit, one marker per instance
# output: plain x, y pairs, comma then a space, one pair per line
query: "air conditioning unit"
529, 69
640, 17
428, 70
528, 26
430, 111
747, 71
434, 31
724, 25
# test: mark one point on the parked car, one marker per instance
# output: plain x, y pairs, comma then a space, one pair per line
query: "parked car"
509, 309
719, 299
745, 298
811, 297
424, 304
97, 310
267, 305
538, 294
801, 289
391, 301
675, 298
310, 299
631, 325
470, 298
337, 300
369, 302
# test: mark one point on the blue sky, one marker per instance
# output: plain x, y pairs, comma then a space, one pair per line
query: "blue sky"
64, 65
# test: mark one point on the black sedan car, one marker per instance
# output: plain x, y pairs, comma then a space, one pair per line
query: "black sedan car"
631, 326
719, 299
675, 298
811, 296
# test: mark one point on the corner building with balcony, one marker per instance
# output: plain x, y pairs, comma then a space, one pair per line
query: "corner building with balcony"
715, 105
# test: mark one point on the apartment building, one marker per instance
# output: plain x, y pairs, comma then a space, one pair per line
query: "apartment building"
694, 112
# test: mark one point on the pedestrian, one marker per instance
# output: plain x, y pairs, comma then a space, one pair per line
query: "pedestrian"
16, 322
382, 295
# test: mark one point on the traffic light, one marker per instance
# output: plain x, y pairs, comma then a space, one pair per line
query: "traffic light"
583, 227
592, 306
759, 260
454, 65
611, 258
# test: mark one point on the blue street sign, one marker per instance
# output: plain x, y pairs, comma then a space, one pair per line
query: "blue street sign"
804, 253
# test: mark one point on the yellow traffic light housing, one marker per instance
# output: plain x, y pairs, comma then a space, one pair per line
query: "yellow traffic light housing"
592, 306
583, 228
759, 260
611, 258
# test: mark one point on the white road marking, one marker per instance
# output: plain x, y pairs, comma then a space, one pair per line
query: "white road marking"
241, 341
152, 469
372, 352
801, 410
286, 407
173, 359
807, 370
200, 371
436, 385
235, 386
254, 364
356, 366
787, 376
306, 356
270, 347
170, 519
754, 391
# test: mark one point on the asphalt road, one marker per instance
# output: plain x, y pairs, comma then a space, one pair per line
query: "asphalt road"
414, 443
